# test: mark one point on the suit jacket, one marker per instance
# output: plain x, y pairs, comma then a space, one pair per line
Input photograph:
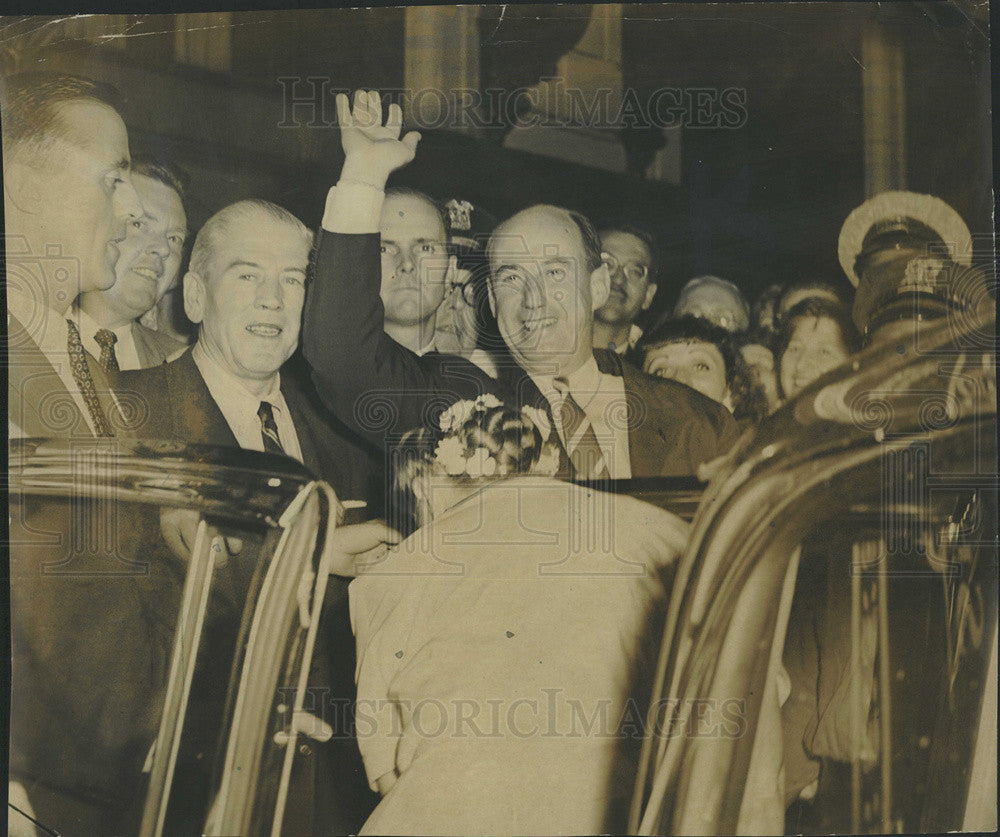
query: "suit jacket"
176, 404
37, 399
154, 347
382, 389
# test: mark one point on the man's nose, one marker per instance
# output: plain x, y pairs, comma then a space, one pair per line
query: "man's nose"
127, 203
270, 294
533, 294
405, 262
618, 279
159, 246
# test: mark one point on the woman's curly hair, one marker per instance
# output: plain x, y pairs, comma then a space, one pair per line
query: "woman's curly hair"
507, 436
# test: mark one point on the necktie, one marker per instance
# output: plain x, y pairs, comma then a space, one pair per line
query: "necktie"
106, 339
269, 429
84, 381
582, 446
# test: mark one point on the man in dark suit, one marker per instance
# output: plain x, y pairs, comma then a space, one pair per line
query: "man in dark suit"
245, 289
547, 278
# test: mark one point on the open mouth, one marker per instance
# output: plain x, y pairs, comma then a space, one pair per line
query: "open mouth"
531, 326
147, 273
264, 330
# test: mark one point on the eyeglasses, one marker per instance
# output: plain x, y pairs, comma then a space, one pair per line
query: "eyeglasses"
418, 249
466, 289
633, 271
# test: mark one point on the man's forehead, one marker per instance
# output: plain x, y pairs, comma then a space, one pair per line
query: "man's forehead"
264, 242
541, 234
158, 199
413, 214
621, 240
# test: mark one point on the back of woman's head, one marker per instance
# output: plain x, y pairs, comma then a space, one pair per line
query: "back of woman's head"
475, 442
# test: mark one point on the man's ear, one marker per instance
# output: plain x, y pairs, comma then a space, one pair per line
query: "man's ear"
19, 186
650, 293
600, 286
492, 296
194, 296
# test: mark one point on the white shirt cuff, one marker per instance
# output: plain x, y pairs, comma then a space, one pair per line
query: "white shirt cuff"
353, 208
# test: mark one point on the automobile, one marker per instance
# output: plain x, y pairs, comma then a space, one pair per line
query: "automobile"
879, 479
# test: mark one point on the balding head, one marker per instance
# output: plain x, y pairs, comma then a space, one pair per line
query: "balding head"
546, 279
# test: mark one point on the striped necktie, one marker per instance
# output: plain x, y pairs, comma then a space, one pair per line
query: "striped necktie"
85, 382
269, 429
106, 339
582, 447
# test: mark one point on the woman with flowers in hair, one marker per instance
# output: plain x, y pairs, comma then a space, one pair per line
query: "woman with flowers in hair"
499, 643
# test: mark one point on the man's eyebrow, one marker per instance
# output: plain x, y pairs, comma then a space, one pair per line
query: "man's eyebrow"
558, 260
294, 270
241, 263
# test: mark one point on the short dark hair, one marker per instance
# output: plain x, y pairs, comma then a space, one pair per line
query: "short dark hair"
407, 192
637, 231
816, 308
30, 104
161, 172
689, 327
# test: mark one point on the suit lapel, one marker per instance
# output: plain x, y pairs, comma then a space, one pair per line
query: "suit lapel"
195, 415
147, 357
37, 399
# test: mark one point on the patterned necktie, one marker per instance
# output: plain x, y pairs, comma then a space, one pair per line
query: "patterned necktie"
269, 429
106, 339
581, 441
84, 381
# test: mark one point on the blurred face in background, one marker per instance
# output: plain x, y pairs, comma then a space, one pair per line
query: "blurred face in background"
414, 259
629, 266
715, 300
816, 346
759, 363
697, 363
455, 328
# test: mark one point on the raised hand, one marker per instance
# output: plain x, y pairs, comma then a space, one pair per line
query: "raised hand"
372, 150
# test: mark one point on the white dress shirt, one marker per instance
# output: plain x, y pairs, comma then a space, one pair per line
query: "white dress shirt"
353, 208
125, 350
239, 406
602, 399
50, 333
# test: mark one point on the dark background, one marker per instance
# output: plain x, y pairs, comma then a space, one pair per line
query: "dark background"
760, 203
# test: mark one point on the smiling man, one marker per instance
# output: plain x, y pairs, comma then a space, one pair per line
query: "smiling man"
245, 289
547, 278
148, 265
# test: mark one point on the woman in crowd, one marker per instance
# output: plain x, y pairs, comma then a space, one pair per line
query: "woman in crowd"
704, 356
816, 336
498, 645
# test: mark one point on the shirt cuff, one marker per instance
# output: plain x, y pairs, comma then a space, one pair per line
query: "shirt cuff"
353, 208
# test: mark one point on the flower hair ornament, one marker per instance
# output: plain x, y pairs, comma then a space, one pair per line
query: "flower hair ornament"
458, 459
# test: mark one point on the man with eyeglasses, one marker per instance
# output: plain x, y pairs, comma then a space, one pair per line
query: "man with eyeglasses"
462, 324
546, 279
629, 255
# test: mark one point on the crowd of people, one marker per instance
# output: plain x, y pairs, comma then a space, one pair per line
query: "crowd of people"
470, 379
